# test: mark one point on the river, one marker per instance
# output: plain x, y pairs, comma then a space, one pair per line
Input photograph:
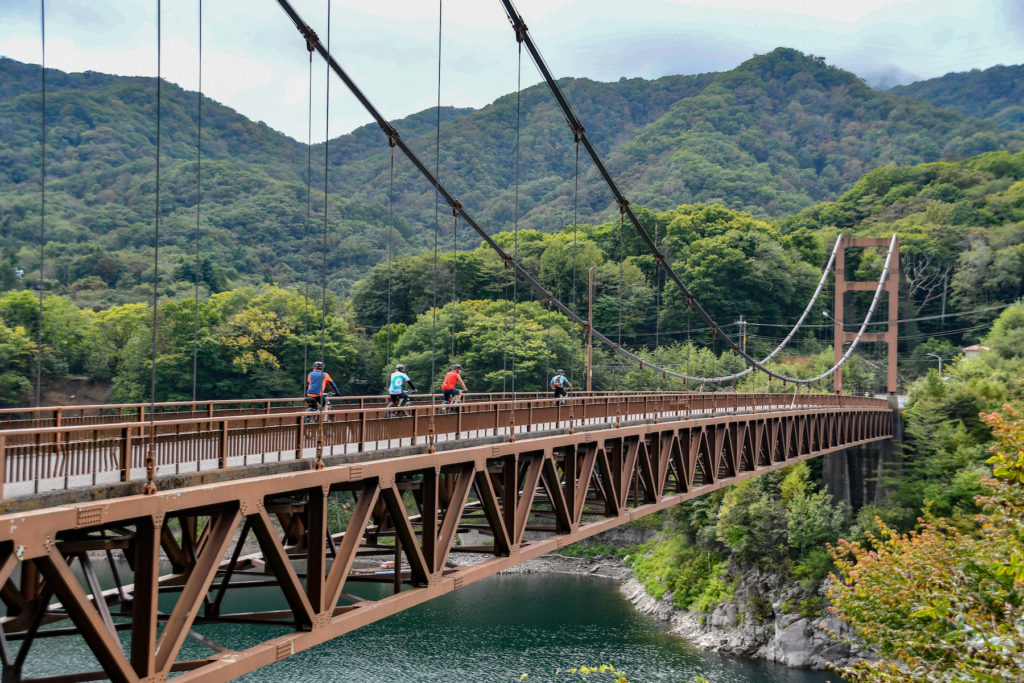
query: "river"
502, 627
494, 630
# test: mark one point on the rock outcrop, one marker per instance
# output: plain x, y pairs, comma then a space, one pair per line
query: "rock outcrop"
762, 620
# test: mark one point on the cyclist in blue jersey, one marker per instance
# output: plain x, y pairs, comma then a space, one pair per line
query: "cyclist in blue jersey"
316, 383
559, 384
396, 386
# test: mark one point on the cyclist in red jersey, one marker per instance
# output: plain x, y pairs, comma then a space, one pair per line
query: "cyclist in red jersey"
448, 389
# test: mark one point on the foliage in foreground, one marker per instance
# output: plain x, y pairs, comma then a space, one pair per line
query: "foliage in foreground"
940, 604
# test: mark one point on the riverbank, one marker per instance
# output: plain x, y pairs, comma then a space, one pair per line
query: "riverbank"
754, 623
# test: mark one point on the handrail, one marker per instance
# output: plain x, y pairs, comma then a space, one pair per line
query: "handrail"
802, 401
65, 456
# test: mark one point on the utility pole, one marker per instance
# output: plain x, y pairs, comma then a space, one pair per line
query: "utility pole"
590, 330
743, 333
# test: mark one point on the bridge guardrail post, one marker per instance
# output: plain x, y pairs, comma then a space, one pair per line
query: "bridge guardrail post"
125, 459
300, 435
3, 463
415, 428
362, 430
222, 445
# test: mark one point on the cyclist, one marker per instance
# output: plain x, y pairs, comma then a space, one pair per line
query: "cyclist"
317, 381
448, 389
560, 383
396, 386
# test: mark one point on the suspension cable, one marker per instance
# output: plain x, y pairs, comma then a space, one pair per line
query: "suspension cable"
575, 226
509, 260
199, 162
437, 206
391, 245
323, 254
515, 213
455, 270
309, 215
42, 210
657, 302
156, 229
522, 35
622, 259
150, 487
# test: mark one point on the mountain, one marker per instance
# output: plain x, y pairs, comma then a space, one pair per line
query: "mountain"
779, 133
996, 93
775, 135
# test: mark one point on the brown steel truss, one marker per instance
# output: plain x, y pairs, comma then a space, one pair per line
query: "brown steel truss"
527, 497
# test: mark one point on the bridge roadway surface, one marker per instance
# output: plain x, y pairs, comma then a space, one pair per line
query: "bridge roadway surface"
573, 470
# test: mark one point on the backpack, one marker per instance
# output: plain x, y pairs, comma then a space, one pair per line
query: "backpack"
556, 382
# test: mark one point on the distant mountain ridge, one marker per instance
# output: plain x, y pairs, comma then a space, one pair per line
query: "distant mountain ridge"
996, 93
777, 134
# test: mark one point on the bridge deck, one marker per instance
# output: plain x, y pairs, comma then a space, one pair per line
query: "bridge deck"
93, 448
526, 497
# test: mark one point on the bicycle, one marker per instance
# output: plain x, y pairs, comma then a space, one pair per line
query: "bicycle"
452, 406
312, 406
394, 407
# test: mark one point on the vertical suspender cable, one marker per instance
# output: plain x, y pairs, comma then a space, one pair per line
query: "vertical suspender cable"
657, 302
504, 337
42, 211
327, 142
156, 229
622, 260
455, 271
575, 226
515, 215
309, 215
199, 162
391, 245
437, 201
150, 487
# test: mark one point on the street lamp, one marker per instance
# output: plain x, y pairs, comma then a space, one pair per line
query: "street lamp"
935, 355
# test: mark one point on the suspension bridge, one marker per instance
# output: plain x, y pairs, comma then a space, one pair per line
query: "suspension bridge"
130, 527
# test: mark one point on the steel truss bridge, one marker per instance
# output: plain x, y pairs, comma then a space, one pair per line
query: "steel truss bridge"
523, 477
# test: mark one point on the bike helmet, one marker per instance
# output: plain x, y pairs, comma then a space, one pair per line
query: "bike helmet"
560, 372
456, 367
317, 365
400, 368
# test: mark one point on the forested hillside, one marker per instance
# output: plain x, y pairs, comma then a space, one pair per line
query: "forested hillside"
961, 228
775, 135
996, 93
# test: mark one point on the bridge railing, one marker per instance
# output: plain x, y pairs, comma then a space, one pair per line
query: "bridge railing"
111, 413
71, 455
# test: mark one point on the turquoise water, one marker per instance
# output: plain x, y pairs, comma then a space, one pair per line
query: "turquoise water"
504, 626
496, 629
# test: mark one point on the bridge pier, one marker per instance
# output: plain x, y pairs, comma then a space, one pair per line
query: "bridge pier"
856, 475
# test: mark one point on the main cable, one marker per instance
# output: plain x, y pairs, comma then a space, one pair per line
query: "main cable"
509, 260
522, 35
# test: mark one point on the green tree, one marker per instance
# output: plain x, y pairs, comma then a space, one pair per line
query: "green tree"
939, 604
16, 352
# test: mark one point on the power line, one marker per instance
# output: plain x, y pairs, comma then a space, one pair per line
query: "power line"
899, 321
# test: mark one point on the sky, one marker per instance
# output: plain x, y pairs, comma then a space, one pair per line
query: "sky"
254, 60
